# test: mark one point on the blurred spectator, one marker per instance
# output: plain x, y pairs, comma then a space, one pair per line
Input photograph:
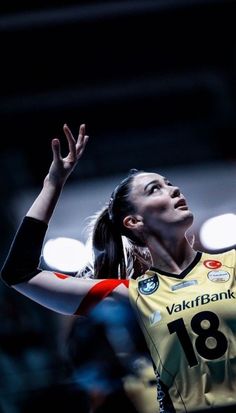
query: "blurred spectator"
29, 359
109, 360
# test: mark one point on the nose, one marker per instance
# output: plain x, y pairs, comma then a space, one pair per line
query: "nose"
175, 191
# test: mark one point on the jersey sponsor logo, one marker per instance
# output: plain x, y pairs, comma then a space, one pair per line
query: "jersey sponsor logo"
200, 300
218, 276
160, 394
155, 317
183, 284
212, 264
149, 285
163, 397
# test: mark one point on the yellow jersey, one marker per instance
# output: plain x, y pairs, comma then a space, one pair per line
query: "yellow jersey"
189, 322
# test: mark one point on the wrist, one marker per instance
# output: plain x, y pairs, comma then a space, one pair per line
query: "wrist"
53, 184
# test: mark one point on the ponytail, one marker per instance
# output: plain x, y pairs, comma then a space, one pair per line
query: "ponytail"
109, 259
113, 256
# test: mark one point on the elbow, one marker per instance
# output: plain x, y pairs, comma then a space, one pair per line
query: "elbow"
11, 276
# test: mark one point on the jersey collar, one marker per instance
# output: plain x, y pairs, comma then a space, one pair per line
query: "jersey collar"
184, 272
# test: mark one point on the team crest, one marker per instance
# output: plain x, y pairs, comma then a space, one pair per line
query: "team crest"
149, 285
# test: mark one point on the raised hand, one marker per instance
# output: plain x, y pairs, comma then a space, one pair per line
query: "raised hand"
45, 203
61, 167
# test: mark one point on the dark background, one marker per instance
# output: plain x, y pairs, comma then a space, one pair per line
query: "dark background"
154, 81
140, 74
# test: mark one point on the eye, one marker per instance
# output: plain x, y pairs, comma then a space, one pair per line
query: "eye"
154, 188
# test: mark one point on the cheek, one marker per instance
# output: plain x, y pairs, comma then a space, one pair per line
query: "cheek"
157, 207
157, 212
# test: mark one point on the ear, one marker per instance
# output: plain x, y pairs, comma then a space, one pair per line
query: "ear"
133, 221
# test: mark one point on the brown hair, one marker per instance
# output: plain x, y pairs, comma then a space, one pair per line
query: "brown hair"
111, 258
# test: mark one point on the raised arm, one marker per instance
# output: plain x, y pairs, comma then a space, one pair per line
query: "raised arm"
60, 169
61, 293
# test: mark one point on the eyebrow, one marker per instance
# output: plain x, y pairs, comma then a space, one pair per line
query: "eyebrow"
154, 182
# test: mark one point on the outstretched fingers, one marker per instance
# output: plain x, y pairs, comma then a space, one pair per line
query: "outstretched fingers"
81, 141
56, 149
76, 148
71, 141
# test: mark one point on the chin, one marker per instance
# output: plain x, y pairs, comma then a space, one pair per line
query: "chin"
187, 218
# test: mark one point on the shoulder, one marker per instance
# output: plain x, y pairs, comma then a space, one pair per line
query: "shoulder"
220, 263
216, 259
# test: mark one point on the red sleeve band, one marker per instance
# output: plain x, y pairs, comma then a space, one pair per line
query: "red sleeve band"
97, 293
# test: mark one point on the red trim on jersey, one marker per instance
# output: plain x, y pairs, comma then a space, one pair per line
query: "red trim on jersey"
97, 293
62, 276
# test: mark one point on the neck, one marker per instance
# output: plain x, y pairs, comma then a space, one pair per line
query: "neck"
174, 257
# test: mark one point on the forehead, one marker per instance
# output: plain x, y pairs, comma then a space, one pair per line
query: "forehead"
144, 178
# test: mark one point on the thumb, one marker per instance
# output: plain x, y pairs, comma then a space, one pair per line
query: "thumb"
56, 149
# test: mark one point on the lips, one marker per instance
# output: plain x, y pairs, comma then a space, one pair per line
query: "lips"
181, 203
